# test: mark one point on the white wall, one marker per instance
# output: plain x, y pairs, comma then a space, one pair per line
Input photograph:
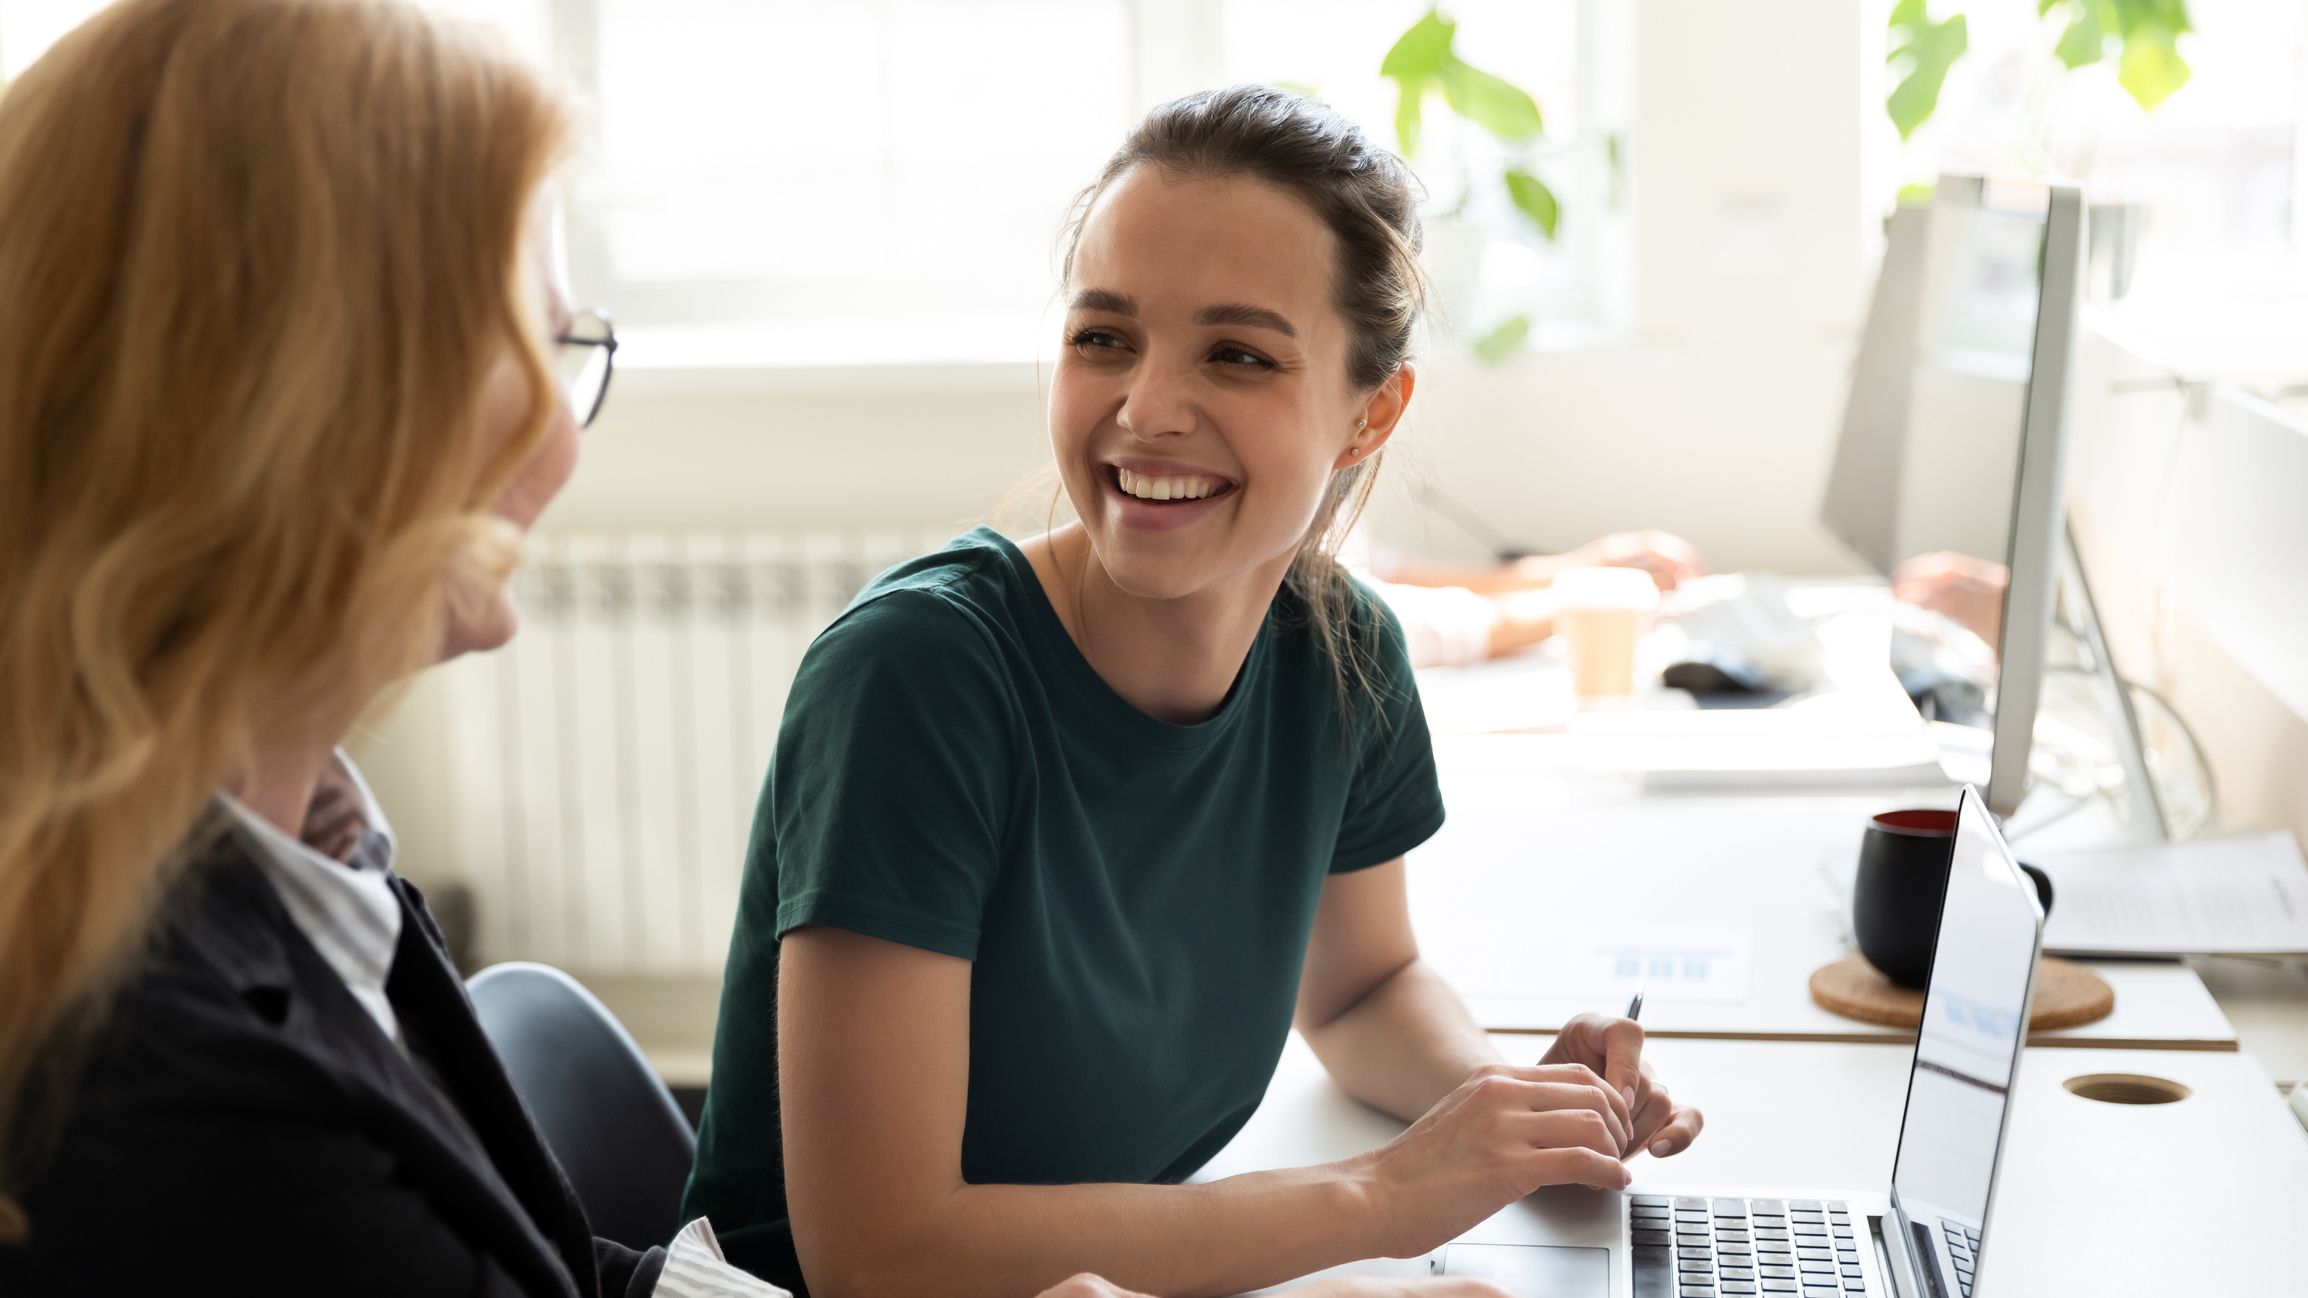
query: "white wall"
2188, 515
1713, 415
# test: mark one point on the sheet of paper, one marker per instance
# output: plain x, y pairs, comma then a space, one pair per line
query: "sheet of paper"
2226, 896
1694, 964
1846, 741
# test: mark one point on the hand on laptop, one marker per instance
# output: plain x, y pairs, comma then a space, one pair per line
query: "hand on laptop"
1613, 1047
1502, 1133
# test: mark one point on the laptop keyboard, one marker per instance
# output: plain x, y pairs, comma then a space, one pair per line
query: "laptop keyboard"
1780, 1248
1963, 1246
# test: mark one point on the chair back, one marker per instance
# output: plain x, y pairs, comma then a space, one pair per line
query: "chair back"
603, 1110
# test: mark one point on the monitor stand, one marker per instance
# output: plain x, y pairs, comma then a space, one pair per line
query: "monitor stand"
2144, 805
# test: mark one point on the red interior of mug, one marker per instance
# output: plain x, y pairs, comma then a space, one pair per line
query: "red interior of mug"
1920, 824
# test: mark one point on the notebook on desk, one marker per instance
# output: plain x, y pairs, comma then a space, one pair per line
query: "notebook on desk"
1925, 1234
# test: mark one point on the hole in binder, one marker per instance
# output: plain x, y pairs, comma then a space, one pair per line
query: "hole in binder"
2126, 1088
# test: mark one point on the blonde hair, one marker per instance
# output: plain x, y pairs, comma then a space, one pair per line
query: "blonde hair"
257, 259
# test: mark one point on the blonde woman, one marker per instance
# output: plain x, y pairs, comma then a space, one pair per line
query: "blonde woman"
284, 374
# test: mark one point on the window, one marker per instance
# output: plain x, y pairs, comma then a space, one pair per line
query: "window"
811, 159
2213, 174
883, 181
1489, 260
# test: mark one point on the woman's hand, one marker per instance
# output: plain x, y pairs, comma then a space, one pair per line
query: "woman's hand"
1503, 1133
1614, 1048
1968, 590
1669, 559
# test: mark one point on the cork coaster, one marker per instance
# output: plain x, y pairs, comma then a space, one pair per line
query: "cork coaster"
2067, 995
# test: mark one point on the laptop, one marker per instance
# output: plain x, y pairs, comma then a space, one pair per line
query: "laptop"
1924, 1235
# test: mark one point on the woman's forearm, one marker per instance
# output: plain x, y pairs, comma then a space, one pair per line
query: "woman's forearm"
1405, 1045
998, 1241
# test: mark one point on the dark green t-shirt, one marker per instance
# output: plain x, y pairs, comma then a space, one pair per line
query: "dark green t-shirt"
1135, 896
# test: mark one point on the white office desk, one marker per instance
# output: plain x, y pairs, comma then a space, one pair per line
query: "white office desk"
2203, 1196
1540, 858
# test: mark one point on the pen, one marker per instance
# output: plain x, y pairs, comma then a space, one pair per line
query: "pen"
1635, 1006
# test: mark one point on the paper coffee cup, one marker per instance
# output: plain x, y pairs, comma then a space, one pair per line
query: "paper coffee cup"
1601, 612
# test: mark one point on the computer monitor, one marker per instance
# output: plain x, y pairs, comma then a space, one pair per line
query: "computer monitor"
1952, 454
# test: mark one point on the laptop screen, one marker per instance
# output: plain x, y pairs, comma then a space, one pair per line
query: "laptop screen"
1974, 1012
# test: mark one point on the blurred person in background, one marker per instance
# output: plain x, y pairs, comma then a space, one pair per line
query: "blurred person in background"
1455, 614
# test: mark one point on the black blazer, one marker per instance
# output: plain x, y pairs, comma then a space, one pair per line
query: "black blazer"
240, 1125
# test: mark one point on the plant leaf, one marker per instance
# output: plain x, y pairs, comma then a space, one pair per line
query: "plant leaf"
2080, 43
2171, 15
1916, 195
1497, 106
1504, 341
1414, 63
1418, 54
1929, 49
1407, 116
1535, 199
2152, 67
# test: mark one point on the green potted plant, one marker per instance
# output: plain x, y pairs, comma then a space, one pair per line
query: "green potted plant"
1424, 65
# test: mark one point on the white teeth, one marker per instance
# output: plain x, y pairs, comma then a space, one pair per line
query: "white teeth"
1151, 488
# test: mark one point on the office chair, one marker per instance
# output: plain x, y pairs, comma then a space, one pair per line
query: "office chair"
604, 1112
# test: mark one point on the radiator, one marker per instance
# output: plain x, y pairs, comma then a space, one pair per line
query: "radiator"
604, 765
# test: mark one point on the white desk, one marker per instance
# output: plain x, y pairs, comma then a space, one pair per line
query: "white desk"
2267, 1000
1539, 855
2203, 1196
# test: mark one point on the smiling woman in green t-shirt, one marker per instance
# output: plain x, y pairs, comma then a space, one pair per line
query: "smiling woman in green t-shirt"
1061, 839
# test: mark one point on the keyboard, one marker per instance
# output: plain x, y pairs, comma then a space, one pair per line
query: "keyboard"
1774, 1248
1963, 1246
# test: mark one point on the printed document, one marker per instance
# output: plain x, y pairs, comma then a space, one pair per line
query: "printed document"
2227, 896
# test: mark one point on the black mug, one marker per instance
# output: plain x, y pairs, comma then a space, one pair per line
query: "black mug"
1902, 881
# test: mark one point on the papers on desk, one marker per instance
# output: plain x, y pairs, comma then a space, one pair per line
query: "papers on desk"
2230, 896
1768, 747
1689, 964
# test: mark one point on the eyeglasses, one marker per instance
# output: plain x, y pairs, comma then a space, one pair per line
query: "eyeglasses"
588, 353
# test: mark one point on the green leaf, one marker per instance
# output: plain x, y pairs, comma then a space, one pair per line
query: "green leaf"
2152, 67
1495, 105
2081, 43
1504, 341
1415, 63
1406, 117
1419, 53
1535, 199
1916, 195
1929, 49
2129, 15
